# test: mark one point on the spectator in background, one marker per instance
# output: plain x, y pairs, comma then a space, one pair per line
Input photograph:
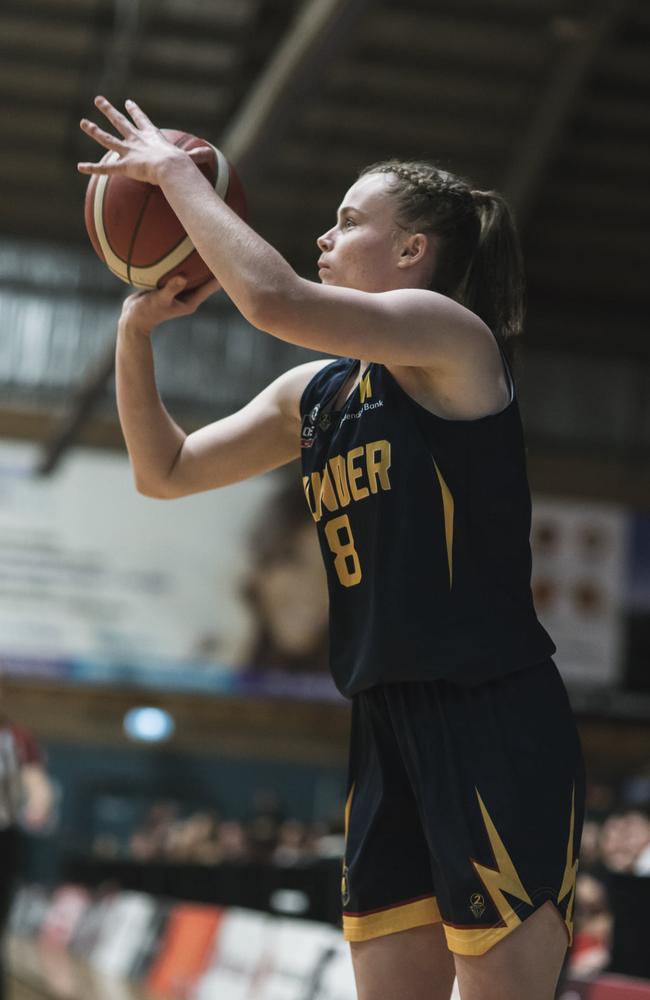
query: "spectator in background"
262, 828
590, 844
194, 840
625, 839
642, 863
292, 847
26, 800
232, 844
601, 798
592, 938
147, 843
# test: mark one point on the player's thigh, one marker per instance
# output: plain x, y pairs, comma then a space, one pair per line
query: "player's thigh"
414, 964
526, 963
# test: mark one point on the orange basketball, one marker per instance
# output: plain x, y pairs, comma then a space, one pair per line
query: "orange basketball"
136, 234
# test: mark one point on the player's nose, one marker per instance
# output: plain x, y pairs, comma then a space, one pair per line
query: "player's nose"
324, 242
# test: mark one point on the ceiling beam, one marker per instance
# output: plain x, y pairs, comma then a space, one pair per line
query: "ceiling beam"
129, 24
84, 402
288, 80
558, 103
130, 21
291, 75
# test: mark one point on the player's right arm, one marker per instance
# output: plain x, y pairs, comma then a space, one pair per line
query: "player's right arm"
167, 462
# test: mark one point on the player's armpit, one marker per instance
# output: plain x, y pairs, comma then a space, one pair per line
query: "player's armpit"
263, 435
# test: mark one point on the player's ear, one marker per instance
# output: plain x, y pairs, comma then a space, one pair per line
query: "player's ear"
413, 249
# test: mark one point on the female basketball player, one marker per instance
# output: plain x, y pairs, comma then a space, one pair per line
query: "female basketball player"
465, 794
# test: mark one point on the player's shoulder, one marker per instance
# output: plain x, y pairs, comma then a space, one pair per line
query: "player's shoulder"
306, 371
291, 385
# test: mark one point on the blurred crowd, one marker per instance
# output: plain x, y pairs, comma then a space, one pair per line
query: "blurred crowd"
615, 840
168, 832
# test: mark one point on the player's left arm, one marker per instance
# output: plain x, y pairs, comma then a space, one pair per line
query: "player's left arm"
410, 326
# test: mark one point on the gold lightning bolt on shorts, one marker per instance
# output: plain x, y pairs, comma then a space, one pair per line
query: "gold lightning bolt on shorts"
465, 805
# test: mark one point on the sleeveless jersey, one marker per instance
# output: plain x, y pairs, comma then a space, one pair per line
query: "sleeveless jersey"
424, 527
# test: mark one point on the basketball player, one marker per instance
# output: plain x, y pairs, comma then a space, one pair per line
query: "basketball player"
465, 791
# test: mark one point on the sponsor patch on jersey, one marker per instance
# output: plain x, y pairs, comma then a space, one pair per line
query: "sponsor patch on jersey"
308, 427
364, 409
312, 422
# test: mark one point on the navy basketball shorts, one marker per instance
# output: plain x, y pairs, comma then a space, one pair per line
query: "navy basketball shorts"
464, 806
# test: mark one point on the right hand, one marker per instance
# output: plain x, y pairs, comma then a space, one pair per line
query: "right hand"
143, 311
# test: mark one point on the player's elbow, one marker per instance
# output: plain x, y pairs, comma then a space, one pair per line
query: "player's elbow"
157, 491
264, 310
274, 309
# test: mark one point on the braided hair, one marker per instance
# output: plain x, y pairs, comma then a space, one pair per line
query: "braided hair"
479, 262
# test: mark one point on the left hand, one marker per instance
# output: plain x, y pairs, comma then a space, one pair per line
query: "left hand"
143, 150
144, 311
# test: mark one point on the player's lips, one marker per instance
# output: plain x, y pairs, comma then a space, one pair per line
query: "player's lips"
322, 264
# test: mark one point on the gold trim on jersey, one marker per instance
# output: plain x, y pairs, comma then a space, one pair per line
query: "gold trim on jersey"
345, 885
570, 871
448, 513
348, 808
365, 390
470, 941
473, 942
504, 878
404, 916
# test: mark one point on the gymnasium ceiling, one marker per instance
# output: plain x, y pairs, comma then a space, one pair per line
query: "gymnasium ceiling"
544, 99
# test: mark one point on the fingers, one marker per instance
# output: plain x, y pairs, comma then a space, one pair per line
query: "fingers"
192, 299
103, 138
172, 288
138, 115
115, 117
109, 168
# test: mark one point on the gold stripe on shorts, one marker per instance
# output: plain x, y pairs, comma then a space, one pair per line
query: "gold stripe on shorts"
365, 926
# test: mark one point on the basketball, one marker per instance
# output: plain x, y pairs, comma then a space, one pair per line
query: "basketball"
135, 232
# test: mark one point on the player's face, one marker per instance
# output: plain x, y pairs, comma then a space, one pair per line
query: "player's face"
362, 249
292, 594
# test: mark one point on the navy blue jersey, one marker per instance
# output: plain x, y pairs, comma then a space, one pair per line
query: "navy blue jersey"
424, 526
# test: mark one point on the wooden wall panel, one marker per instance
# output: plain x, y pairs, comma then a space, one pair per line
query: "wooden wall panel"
279, 729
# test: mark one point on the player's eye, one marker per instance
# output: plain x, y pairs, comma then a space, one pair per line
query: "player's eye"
348, 222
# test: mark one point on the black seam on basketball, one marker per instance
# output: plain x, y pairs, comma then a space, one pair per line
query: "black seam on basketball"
136, 229
182, 239
139, 222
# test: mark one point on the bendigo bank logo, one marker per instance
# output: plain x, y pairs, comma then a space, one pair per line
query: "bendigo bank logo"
365, 393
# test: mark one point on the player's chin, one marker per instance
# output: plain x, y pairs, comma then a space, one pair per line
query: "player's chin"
326, 277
